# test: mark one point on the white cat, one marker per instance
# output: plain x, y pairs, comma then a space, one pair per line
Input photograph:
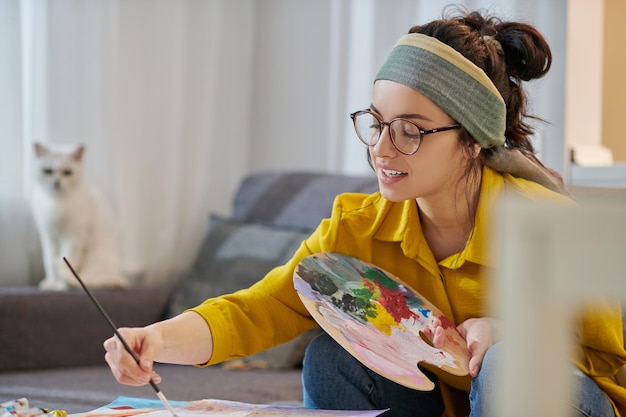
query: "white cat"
72, 222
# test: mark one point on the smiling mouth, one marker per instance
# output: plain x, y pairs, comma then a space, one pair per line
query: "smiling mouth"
392, 173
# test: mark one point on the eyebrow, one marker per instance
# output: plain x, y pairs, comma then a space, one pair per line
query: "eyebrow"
405, 115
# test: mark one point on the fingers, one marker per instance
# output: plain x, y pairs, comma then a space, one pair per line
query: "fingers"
479, 334
123, 366
435, 333
477, 352
438, 337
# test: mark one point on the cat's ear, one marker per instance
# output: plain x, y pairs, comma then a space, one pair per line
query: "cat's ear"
78, 153
39, 149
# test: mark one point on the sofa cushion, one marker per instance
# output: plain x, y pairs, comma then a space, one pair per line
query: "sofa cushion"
294, 199
234, 255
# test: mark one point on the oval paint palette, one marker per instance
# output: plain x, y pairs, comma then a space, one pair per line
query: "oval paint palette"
377, 318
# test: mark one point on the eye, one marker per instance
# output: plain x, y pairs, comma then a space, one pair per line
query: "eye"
67, 172
408, 130
48, 171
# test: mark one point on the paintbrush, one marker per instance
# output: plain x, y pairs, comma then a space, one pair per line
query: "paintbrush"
158, 391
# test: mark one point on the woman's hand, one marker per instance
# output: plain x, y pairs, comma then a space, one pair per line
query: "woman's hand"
146, 343
184, 339
479, 334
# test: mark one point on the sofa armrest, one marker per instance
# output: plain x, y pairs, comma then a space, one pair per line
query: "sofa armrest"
48, 329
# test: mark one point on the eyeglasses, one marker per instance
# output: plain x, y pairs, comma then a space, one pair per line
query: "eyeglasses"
405, 135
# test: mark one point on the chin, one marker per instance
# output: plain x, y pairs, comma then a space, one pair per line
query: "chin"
391, 196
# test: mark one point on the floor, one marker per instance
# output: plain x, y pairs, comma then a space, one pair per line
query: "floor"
83, 389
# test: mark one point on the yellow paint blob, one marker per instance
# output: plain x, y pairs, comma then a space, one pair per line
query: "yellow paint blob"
383, 320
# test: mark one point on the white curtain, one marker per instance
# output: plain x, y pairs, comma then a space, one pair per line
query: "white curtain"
15, 233
136, 82
177, 100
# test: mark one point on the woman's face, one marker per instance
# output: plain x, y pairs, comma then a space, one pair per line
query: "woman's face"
433, 171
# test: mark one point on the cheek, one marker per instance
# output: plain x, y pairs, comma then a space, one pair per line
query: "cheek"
440, 166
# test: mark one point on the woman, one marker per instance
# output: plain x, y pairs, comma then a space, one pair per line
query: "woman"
446, 136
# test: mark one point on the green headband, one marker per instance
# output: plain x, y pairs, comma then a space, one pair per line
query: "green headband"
451, 81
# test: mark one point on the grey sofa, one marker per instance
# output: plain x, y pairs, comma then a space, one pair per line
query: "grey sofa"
51, 343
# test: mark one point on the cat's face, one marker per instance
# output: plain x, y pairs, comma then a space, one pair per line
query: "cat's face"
58, 168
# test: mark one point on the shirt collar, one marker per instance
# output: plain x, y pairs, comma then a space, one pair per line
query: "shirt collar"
401, 224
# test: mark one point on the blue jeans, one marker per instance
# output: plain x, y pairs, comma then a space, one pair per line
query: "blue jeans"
587, 401
333, 379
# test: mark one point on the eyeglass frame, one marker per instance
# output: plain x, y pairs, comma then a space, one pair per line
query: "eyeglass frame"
423, 132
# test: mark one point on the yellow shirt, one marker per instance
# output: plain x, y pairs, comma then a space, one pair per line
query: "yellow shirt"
389, 235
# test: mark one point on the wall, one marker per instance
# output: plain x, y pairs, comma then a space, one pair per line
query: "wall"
583, 85
595, 90
288, 127
613, 84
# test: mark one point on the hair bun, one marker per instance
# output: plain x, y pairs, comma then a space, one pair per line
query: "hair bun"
526, 51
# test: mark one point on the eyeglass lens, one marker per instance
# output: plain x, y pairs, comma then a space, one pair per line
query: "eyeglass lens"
405, 136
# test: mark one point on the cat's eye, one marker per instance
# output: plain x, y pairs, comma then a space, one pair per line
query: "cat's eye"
48, 171
67, 172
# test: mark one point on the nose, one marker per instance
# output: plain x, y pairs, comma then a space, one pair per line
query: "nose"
384, 146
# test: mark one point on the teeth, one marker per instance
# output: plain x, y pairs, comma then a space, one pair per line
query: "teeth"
391, 173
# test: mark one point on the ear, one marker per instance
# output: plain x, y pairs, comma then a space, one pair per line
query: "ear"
475, 150
39, 149
78, 153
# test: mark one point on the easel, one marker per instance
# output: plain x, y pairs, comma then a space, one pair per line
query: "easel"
551, 258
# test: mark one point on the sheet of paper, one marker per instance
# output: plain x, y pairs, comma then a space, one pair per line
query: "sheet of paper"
125, 406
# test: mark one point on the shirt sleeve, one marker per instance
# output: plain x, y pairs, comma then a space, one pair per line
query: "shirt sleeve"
601, 338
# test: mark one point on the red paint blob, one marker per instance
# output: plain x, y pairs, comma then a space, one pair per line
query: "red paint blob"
395, 303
